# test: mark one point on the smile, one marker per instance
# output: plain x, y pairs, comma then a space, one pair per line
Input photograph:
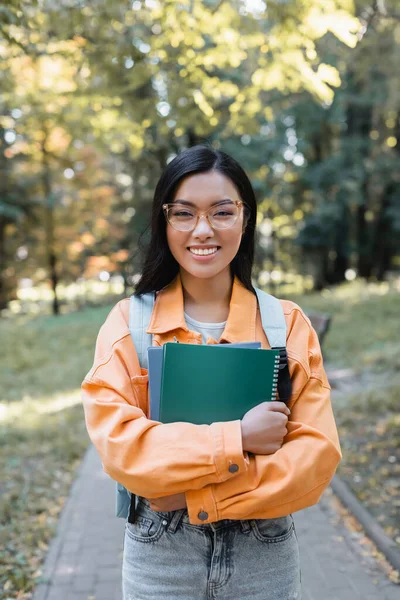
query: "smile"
203, 252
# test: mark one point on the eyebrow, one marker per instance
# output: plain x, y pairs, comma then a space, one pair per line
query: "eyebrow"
187, 203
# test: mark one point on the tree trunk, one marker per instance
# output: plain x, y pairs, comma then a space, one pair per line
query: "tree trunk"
382, 251
359, 125
316, 263
324, 256
342, 234
340, 266
49, 227
3, 294
383, 245
363, 261
385, 262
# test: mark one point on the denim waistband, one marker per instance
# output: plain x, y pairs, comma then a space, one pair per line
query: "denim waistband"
182, 516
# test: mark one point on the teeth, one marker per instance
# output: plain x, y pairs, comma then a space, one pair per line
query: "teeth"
201, 252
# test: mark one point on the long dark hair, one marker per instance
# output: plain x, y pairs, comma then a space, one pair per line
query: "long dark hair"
160, 267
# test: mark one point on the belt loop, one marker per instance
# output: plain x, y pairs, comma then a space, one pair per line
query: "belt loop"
176, 518
245, 526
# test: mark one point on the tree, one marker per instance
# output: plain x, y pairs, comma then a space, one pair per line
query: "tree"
124, 86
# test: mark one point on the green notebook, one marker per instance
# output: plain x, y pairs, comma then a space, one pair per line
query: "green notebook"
202, 385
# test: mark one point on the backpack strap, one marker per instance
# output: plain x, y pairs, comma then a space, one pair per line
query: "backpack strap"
274, 325
140, 309
272, 318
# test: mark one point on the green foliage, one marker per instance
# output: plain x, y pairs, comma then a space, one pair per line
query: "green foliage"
364, 334
101, 96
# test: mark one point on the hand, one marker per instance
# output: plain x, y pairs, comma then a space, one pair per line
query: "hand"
168, 503
264, 427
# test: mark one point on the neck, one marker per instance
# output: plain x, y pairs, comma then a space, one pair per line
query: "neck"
207, 299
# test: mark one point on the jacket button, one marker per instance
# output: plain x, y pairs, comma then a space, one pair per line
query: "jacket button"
203, 516
233, 468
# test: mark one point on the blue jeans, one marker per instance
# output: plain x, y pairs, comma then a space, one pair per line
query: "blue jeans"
167, 558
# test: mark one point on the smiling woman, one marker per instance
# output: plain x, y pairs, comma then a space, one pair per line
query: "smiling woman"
208, 203
205, 236
210, 507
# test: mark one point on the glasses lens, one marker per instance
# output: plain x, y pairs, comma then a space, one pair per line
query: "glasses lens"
222, 217
182, 217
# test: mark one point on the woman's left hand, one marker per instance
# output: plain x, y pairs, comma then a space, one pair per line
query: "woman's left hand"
168, 503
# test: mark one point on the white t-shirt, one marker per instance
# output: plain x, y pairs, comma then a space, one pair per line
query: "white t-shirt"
207, 330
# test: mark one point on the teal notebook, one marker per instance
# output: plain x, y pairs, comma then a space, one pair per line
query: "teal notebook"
202, 385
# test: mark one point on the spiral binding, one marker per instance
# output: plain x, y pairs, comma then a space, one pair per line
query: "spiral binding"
275, 377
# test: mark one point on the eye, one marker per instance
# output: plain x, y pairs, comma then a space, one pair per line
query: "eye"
223, 213
182, 213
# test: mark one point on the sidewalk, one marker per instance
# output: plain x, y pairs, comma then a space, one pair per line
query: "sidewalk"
85, 557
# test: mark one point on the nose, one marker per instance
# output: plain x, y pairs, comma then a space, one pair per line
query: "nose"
203, 228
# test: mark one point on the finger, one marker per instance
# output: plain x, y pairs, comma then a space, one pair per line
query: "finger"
276, 406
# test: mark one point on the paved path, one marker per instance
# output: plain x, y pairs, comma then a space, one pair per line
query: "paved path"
84, 560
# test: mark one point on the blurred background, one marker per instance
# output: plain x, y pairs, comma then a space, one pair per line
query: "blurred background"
96, 97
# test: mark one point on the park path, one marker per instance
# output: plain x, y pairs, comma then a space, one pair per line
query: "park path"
85, 557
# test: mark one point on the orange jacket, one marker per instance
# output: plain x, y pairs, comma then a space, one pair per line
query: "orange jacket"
152, 459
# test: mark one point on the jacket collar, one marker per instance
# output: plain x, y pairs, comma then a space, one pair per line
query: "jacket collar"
168, 312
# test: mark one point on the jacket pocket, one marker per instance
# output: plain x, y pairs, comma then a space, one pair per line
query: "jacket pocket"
140, 388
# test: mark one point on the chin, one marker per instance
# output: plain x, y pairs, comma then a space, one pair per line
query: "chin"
205, 275
204, 272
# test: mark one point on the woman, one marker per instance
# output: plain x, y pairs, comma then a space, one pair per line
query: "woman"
213, 518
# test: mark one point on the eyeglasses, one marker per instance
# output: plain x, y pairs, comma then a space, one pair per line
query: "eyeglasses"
185, 218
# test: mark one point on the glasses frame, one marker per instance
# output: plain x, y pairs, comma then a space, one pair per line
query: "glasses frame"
200, 214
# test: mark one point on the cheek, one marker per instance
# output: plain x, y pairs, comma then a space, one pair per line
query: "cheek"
175, 241
233, 239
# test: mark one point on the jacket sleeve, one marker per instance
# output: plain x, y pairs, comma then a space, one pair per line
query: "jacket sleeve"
149, 458
296, 475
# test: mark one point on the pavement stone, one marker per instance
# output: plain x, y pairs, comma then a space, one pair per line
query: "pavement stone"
84, 561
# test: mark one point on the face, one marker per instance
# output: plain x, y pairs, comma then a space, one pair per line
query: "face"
203, 190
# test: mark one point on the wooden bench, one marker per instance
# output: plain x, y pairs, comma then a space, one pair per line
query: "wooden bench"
320, 322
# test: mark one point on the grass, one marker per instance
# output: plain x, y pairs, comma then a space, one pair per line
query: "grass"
365, 324
43, 435
369, 431
47, 354
364, 337
38, 462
